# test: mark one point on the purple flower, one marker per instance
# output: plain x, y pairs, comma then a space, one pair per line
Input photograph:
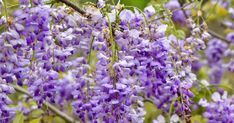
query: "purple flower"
24, 2
105, 74
101, 4
221, 109
172, 5
179, 17
215, 51
230, 37
231, 65
149, 11
6, 113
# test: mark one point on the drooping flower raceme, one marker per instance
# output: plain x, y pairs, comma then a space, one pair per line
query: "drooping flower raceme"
105, 65
6, 113
220, 109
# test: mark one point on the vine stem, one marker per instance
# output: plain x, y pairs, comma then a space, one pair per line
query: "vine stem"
216, 35
5, 8
46, 104
113, 50
72, 5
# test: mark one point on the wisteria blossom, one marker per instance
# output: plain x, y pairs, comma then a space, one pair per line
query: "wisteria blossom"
107, 62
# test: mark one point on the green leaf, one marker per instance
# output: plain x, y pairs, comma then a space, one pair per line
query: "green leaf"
58, 120
19, 118
37, 120
151, 112
202, 74
180, 34
198, 119
48, 119
226, 87
36, 113
141, 4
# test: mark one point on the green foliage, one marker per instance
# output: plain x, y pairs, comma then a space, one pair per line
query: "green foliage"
141, 4
37, 120
58, 120
19, 118
11, 5
36, 113
198, 119
84, 1
47, 119
202, 74
180, 34
151, 112
214, 11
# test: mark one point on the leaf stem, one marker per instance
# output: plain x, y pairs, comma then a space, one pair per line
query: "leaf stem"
76, 8
113, 48
216, 35
5, 8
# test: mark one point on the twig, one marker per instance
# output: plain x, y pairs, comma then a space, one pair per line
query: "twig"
72, 5
213, 33
51, 107
216, 35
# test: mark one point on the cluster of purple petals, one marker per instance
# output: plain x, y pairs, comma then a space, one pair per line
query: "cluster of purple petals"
143, 65
114, 93
152, 63
27, 2
220, 110
215, 53
178, 15
18, 48
228, 23
6, 113
50, 51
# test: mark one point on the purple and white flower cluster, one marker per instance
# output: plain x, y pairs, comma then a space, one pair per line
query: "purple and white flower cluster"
221, 109
107, 64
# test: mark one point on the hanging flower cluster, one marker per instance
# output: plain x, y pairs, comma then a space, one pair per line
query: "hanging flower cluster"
107, 63
221, 109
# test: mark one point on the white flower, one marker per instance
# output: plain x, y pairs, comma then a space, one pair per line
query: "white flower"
150, 10
174, 118
162, 28
216, 97
224, 95
205, 83
126, 15
13, 33
134, 33
101, 3
112, 16
94, 12
3, 18
231, 10
160, 119
69, 77
19, 27
203, 102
